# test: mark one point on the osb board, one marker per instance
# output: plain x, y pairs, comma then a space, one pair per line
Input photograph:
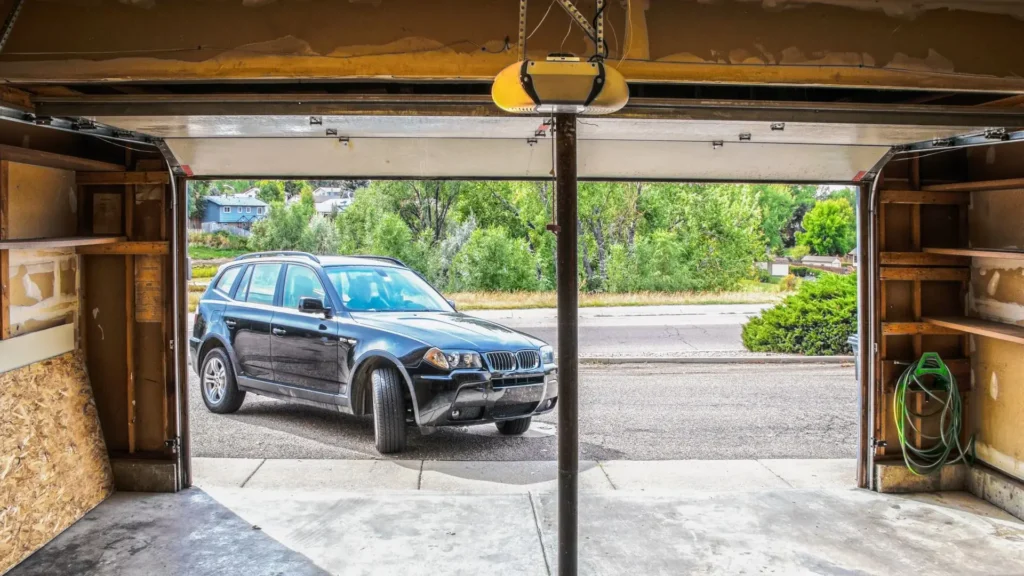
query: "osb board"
997, 293
53, 461
104, 325
43, 202
43, 288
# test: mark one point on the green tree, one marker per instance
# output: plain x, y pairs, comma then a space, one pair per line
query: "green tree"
271, 191
777, 204
492, 260
198, 191
829, 228
285, 226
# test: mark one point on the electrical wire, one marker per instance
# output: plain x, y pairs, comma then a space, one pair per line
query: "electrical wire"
628, 40
126, 147
545, 17
932, 377
567, 32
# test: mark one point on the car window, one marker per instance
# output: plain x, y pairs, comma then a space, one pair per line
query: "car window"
227, 279
384, 289
301, 282
243, 286
263, 283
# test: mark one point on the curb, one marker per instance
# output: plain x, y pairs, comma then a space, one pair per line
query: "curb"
719, 360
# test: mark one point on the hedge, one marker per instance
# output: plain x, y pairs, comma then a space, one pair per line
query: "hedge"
817, 320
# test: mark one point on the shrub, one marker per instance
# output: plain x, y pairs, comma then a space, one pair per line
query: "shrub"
204, 271
816, 320
220, 240
789, 283
491, 260
804, 272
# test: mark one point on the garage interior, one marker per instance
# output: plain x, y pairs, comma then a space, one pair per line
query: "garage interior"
107, 111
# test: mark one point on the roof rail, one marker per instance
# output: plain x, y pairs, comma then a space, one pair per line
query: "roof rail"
385, 258
278, 253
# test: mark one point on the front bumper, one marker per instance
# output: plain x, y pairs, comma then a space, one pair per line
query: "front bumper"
478, 396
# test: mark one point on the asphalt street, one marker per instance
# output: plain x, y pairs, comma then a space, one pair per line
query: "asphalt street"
639, 331
627, 412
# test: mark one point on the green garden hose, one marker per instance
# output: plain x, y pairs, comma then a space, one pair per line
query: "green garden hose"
931, 376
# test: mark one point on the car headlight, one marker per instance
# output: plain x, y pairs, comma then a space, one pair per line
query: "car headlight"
452, 359
547, 355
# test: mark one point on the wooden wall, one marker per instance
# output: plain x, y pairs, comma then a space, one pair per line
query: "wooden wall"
997, 293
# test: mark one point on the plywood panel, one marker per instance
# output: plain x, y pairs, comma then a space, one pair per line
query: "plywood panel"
104, 325
43, 202
53, 461
995, 220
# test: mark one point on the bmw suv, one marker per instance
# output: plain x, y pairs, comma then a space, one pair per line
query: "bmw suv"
364, 335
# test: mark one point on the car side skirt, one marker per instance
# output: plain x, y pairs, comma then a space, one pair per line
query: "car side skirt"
294, 394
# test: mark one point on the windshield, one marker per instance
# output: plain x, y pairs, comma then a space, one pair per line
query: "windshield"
384, 289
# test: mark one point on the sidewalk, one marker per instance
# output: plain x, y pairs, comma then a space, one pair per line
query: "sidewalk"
318, 517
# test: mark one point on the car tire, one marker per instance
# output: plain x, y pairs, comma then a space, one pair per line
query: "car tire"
516, 427
388, 411
217, 383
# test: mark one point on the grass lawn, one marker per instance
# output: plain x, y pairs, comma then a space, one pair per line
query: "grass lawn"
197, 252
522, 300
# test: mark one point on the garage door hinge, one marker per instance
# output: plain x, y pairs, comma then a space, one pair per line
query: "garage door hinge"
173, 444
875, 443
170, 344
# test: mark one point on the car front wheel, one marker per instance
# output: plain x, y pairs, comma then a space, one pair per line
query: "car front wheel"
515, 427
217, 383
388, 411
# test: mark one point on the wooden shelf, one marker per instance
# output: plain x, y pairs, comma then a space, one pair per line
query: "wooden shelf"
46, 243
997, 330
978, 253
919, 197
916, 328
126, 248
977, 186
922, 259
925, 274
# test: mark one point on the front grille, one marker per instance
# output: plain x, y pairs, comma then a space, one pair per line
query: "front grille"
501, 361
524, 380
528, 359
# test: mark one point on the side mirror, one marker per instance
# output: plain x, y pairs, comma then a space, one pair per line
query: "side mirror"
452, 304
310, 305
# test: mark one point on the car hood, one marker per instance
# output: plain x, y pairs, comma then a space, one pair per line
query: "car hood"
452, 331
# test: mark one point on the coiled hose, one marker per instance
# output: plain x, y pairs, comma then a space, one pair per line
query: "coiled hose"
931, 376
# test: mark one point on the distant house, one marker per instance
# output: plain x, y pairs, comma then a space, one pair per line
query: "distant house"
250, 193
332, 206
822, 261
232, 213
777, 267
326, 193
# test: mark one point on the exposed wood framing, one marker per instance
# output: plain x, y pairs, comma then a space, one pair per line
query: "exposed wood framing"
5, 295
51, 160
101, 178
129, 303
926, 258
929, 274
922, 197
967, 252
1008, 184
50, 243
915, 328
998, 330
126, 248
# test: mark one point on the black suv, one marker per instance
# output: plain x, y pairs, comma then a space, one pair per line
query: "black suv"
363, 335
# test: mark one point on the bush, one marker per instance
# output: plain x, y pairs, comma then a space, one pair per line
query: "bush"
804, 272
220, 240
204, 271
816, 320
491, 260
789, 283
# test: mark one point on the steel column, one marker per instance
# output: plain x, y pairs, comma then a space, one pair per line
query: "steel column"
863, 330
568, 342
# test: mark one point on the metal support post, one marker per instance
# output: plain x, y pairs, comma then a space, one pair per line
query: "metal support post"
864, 447
568, 342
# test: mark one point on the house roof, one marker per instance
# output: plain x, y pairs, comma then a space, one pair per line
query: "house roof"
330, 205
235, 201
821, 259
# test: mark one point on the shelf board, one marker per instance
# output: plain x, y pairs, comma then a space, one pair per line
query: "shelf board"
70, 242
988, 328
926, 197
978, 253
925, 274
922, 259
126, 248
980, 186
916, 329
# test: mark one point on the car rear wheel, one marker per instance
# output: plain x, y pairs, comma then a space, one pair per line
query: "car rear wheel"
388, 411
217, 383
515, 427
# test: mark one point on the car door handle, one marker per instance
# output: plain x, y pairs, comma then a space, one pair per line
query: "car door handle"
279, 331
230, 323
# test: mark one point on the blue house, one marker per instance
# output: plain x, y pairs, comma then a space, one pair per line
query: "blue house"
232, 212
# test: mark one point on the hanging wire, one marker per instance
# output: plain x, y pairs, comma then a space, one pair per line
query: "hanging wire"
628, 40
545, 17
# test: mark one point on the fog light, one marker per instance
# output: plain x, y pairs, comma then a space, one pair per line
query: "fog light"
456, 413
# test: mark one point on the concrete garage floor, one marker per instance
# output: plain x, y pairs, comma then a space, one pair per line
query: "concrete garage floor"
254, 517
